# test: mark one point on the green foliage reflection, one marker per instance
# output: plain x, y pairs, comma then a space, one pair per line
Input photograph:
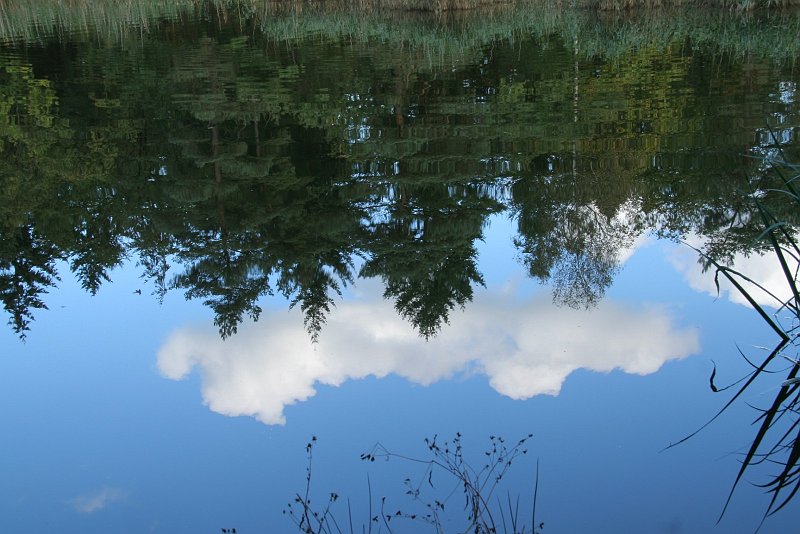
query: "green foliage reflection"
231, 164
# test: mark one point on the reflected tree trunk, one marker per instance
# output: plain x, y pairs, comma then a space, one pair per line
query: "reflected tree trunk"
215, 153
575, 96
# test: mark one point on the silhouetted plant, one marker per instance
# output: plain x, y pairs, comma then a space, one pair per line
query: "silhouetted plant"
486, 513
301, 512
777, 439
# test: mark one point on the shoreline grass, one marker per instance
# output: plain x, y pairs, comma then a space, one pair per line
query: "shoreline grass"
410, 5
767, 33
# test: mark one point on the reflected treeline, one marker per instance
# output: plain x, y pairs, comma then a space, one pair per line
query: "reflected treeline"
230, 164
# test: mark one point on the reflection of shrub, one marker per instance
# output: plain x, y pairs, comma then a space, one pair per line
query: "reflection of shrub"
485, 512
777, 439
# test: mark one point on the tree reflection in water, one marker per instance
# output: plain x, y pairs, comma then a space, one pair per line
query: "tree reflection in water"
231, 167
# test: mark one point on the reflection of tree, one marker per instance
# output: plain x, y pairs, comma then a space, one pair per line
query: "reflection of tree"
574, 246
315, 235
33, 162
263, 167
249, 214
246, 229
26, 270
98, 247
590, 259
428, 268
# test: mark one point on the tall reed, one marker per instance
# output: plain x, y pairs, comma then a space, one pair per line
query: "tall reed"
776, 443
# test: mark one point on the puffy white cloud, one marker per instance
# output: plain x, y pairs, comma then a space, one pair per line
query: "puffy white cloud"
764, 269
525, 347
94, 502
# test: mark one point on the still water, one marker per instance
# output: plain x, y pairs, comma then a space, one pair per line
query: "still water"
227, 230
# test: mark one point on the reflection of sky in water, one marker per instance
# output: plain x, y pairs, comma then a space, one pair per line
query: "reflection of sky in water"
96, 440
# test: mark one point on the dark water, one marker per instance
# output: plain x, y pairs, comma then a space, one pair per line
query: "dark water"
486, 206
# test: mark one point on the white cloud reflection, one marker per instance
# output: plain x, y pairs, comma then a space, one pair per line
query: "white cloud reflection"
94, 502
525, 348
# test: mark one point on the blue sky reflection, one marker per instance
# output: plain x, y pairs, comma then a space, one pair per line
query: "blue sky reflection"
102, 442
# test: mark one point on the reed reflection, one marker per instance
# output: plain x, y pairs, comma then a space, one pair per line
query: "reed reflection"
775, 296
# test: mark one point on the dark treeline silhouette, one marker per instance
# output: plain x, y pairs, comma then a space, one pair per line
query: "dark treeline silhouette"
230, 166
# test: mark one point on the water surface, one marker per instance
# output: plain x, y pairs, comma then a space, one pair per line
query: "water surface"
225, 232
